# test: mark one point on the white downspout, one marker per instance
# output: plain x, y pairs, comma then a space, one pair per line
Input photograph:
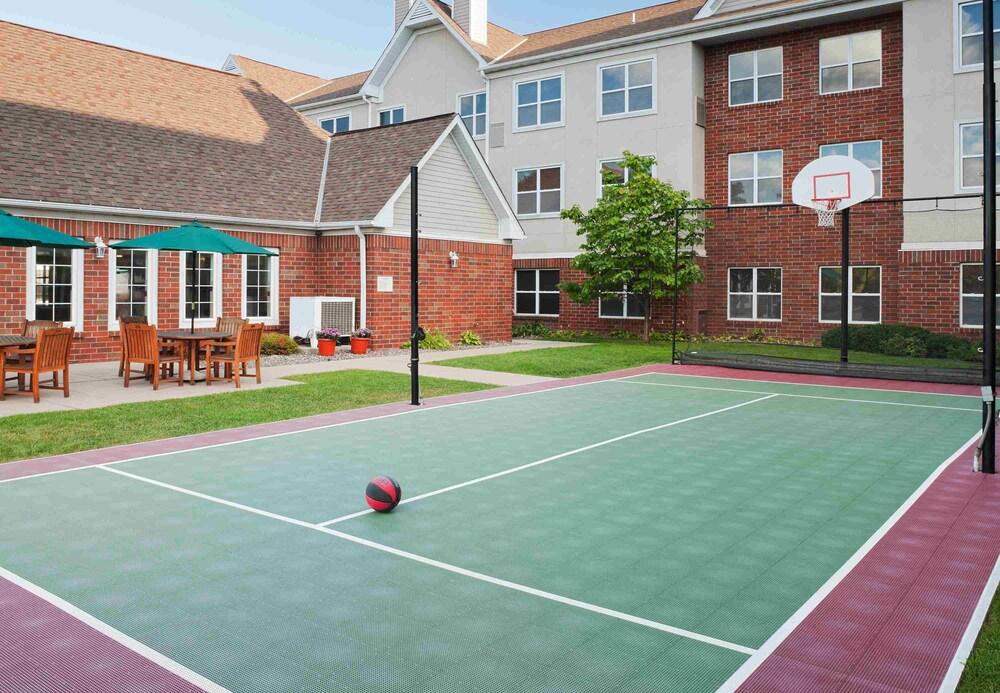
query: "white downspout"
363, 260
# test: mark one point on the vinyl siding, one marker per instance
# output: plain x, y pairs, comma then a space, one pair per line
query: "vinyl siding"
451, 201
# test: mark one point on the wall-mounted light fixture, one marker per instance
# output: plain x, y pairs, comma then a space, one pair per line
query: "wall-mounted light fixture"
453, 257
101, 247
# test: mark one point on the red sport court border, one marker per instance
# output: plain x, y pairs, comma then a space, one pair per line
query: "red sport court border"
902, 615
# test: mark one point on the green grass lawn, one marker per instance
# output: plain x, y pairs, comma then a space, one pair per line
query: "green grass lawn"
607, 355
982, 672
52, 433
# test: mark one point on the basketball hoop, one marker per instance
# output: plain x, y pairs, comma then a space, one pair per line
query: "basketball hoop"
826, 212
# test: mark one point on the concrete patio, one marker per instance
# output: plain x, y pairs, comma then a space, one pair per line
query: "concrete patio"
94, 385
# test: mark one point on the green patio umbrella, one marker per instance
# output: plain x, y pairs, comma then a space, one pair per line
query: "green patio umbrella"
194, 238
15, 231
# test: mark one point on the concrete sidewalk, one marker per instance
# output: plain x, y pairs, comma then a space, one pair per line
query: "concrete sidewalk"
94, 385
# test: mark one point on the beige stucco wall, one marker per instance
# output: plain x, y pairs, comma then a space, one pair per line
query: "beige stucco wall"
669, 133
937, 95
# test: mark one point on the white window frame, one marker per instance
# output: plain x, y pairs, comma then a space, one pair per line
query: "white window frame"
152, 288
537, 292
562, 103
754, 294
850, 63
485, 114
850, 296
185, 321
958, 36
614, 159
960, 156
539, 190
624, 316
627, 113
274, 302
850, 153
757, 75
335, 117
962, 295
755, 179
76, 302
390, 110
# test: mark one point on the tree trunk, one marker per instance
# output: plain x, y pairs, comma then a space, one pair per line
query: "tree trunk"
647, 317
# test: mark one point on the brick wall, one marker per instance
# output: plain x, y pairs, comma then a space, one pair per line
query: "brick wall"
799, 124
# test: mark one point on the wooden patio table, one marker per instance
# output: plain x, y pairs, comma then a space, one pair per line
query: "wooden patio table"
192, 343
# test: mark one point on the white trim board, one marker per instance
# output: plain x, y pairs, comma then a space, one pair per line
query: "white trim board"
113, 633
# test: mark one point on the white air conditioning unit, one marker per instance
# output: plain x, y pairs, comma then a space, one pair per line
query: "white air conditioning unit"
309, 315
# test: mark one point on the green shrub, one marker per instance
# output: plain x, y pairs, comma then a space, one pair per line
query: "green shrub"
470, 338
274, 344
902, 340
526, 330
435, 341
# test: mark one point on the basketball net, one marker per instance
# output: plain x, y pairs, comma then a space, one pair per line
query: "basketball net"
825, 216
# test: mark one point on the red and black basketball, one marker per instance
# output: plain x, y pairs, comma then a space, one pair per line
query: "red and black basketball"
383, 494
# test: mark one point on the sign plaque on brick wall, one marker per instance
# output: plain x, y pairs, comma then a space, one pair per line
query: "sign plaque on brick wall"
384, 285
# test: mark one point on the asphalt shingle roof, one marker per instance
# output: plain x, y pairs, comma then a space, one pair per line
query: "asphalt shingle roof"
280, 81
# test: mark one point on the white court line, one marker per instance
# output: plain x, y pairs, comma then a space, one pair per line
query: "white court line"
414, 410
786, 394
958, 662
787, 382
655, 625
100, 626
779, 636
552, 458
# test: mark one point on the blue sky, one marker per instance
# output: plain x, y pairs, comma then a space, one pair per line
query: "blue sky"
325, 37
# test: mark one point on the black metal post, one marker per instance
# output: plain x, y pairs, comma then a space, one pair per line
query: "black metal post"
677, 243
414, 293
989, 237
845, 279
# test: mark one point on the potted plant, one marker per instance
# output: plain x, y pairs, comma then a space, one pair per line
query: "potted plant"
326, 340
360, 340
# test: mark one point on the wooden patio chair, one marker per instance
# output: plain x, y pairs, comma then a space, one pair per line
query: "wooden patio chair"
143, 347
30, 328
230, 326
50, 355
124, 320
245, 350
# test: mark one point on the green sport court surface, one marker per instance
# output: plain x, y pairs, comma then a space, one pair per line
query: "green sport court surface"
645, 533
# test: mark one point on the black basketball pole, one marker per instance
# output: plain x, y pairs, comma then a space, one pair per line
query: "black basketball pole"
845, 279
414, 293
989, 239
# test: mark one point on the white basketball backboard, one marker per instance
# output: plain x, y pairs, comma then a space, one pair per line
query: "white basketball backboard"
833, 180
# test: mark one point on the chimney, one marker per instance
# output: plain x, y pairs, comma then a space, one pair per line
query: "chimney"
402, 7
471, 16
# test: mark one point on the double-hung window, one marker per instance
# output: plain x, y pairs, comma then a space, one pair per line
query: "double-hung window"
755, 178
538, 191
869, 153
131, 285
851, 62
539, 102
612, 173
864, 301
970, 146
260, 288
755, 76
971, 303
336, 124
970, 32
627, 88
622, 304
55, 285
201, 283
392, 116
755, 293
472, 108
536, 292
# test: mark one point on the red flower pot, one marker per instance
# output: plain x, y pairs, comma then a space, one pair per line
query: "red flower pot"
359, 345
327, 347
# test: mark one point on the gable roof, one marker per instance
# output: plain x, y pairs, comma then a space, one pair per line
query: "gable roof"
367, 166
280, 81
348, 85
621, 25
499, 40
